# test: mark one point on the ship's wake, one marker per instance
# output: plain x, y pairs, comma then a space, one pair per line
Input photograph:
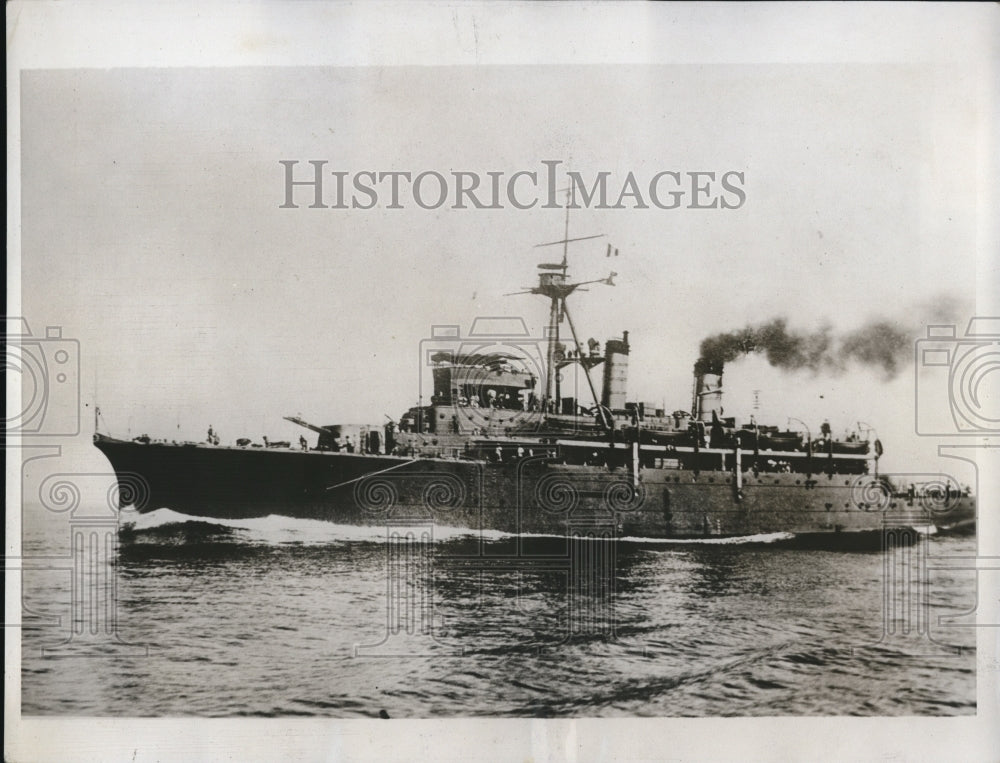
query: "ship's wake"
168, 527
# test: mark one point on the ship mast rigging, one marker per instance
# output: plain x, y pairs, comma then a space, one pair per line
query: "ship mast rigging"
553, 283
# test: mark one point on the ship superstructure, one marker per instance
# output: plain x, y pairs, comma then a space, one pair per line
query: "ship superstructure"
523, 434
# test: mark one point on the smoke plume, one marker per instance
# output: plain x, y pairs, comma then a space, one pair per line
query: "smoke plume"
883, 344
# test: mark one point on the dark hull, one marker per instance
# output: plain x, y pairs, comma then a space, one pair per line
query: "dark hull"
532, 495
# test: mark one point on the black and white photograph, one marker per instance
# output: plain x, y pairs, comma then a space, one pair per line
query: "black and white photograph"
502, 381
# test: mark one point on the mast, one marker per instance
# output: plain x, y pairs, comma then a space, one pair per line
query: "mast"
553, 333
570, 198
553, 284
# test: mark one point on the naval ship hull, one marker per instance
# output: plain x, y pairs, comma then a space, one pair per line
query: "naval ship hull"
532, 495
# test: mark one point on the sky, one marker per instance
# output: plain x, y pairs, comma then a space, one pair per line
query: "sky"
153, 230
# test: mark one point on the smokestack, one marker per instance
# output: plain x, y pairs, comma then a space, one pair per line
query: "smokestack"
707, 396
615, 373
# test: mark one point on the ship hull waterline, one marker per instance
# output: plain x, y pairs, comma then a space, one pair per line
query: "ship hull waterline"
534, 495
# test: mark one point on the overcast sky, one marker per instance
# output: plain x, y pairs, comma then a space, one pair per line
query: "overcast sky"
153, 233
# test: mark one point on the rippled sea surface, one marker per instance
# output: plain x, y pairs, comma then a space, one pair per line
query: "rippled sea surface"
284, 617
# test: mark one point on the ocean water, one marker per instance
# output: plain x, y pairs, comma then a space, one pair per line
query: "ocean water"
285, 617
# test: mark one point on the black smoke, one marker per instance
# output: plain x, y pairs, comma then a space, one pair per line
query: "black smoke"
882, 344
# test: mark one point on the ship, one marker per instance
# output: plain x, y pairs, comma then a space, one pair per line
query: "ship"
536, 436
